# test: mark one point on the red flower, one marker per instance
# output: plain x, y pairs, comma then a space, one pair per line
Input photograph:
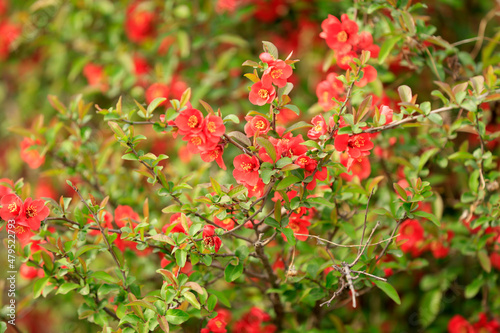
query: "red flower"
8, 34
262, 92
95, 76
123, 214
199, 142
319, 128
215, 325
227, 223
291, 146
23, 233
210, 239
139, 23
256, 190
365, 42
214, 127
30, 273
306, 163
264, 156
459, 324
356, 146
256, 126
189, 121
327, 89
246, 169
30, 155
360, 167
495, 260
279, 73
12, 206
267, 58
33, 213
485, 326
214, 155
412, 232
344, 59
226, 6
175, 220
369, 75
339, 36
157, 90
299, 226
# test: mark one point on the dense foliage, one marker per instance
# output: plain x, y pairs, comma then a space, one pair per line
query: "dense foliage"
250, 165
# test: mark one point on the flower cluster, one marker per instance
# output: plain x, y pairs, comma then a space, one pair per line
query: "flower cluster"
300, 219
277, 73
203, 134
28, 215
123, 216
342, 36
9, 32
459, 324
210, 239
218, 323
253, 321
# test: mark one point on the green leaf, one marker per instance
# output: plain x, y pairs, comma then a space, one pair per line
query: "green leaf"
388, 290
237, 190
271, 49
66, 288
101, 275
400, 191
429, 307
142, 303
386, 48
294, 108
39, 285
154, 104
216, 186
473, 288
231, 117
272, 222
484, 260
460, 155
426, 155
220, 296
405, 93
287, 182
232, 272
191, 298
180, 258
290, 236
86, 248
298, 125
211, 302
268, 146
283, 162
430, 217
176, 317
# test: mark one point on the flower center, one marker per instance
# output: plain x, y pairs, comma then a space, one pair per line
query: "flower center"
12, 207
358, 141
246, 166
276, 73
196, 141
303, 161
260, 125
294, 227
20, 230
263, 93
342, 36
214, 154
211, 127
318, 127
192, 121
31, 211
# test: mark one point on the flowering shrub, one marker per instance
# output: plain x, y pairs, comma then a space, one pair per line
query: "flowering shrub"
249, 166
